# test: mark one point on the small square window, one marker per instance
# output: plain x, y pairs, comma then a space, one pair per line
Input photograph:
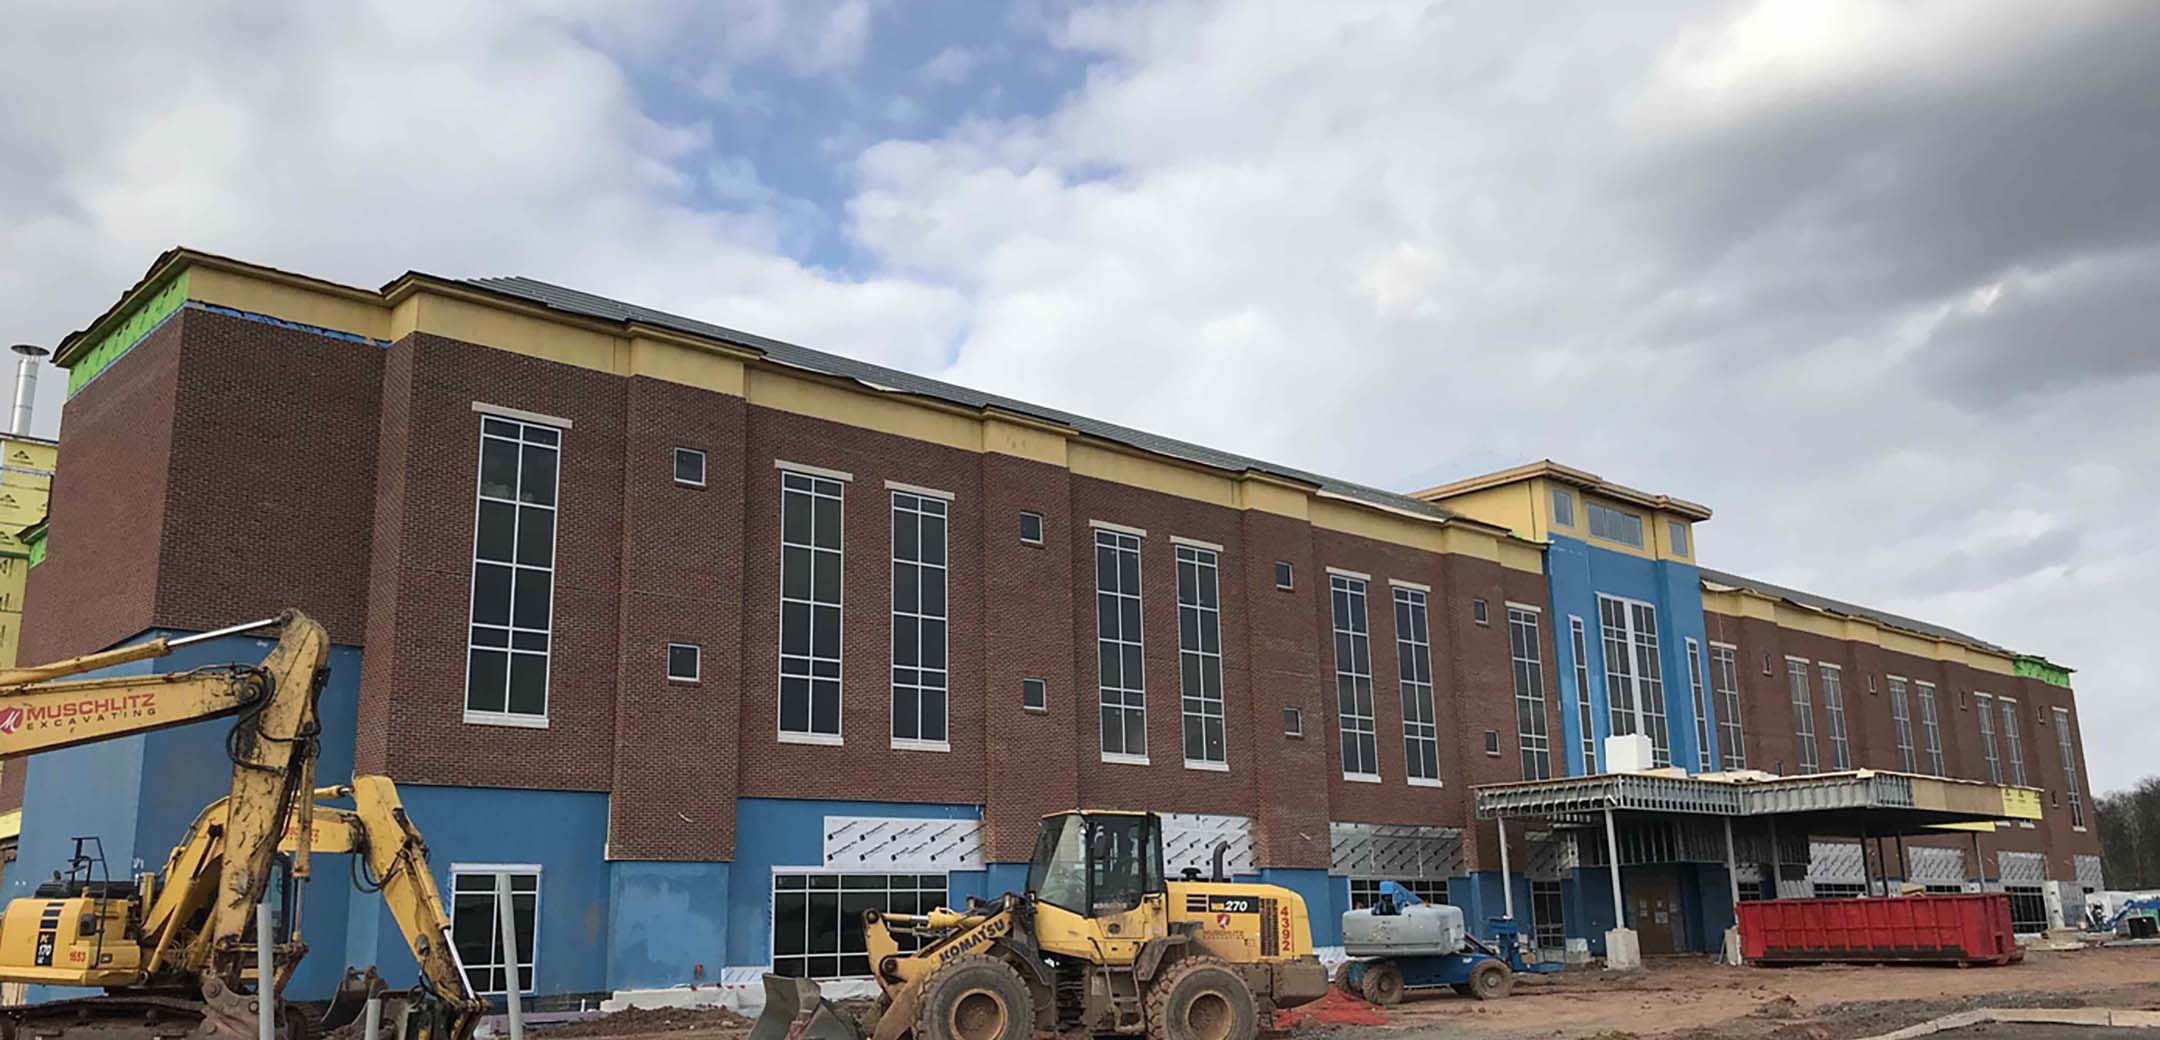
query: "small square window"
1031, 528
1492, 743
1293, 722
689, 467
1563, 508
682, 662
1283, 575
1479, 612
1034, 695
1678, 531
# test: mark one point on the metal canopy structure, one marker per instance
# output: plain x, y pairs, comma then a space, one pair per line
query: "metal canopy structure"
1864, 804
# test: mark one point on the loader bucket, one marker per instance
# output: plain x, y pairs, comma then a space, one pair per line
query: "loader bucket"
796, 1010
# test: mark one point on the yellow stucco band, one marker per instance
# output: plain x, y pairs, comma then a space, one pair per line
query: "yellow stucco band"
1744, 603
421, 304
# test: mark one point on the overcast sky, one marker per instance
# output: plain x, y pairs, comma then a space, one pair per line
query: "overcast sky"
1878, 283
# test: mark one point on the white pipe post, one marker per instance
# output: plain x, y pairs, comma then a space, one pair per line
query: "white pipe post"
1507, 882
265, 975
1732, 869
1777, 873
512, 982
374, 1018
1612, 863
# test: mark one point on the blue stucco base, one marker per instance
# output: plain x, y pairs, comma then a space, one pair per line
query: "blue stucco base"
666, 923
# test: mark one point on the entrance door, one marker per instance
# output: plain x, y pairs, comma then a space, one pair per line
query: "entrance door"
1654, 910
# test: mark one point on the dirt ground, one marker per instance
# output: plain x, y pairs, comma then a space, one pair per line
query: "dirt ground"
1672, 999
1697, 1000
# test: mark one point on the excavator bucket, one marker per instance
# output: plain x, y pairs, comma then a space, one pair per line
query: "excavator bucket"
795, 1009
350, 999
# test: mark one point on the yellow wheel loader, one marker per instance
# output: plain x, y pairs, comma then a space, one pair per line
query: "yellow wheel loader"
176, 951
1101, 941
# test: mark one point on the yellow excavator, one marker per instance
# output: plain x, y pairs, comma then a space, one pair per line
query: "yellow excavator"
176, 951
1101, 941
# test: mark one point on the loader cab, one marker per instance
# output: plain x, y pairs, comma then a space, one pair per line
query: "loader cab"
1098, 879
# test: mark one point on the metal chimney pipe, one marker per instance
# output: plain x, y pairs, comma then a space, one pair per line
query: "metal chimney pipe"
25, 385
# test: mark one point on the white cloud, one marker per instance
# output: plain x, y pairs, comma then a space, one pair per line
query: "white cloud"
948, 66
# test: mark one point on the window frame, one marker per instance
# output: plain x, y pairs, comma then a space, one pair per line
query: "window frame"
1293, 722
1363, 728
1702, 708
1930, 725
1639, 652
2013, 743
1039, 684
1285, 575
1901, 723
1414, 676
1563, 508
1367, 888
1480, 611
697, 453
920, 504
1676, 533
1604, 531
2073, 790
1115, 539
811, 660
1732, 734
1206, 564
1802, 695
1526, 631
489, 870
1983, 709
1041, 534
697, 664
510, 629
772, 908
1548, 895
1585, 711
1833, 686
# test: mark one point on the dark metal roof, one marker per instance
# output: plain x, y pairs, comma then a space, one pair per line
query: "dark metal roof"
572, 301
1831, 606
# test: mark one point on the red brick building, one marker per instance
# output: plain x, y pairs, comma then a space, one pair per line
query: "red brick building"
715, 640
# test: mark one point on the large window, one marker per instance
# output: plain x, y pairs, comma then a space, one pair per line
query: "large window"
2013, 744
1702, 709
1200, 656
919, 614
1413, 659
1119, 646
1930, 727
1353, 679
1583, 711
2064, 746
810, 554
818, 918
2028, 908
513, 581
1901, 720
1803, 715
1614, 525
1725, 684
1634, 674
476, 925
1530, 733
1548, 915
1984, 714
1364, 892
1833, 696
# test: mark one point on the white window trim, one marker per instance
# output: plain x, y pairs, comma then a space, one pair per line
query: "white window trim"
1585, 710
1140, 600
1044, 707
506, 412
1105, 525
905, 744
892, 507
1797, 657
704, 461
1278, 583
918, 489
1206, 766
1042, 528
1699, 691
1299, 732
840, 475
1412, 585
1421, 781
1636, 681
1335, 625
1531, 607
1222, 700
1422, 638
506, 717
1362, 778
1195, 543
1342, 573
838, 737
490, 869
1734, 647
1125, 760
697, 661
1544, 705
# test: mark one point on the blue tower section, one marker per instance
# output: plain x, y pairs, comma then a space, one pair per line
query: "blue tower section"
1578, 573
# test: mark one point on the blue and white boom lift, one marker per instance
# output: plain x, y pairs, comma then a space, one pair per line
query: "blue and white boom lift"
1403, 943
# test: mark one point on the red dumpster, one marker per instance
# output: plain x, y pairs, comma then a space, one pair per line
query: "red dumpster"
1961, 930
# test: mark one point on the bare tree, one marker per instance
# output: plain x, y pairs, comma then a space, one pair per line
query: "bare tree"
2130, 835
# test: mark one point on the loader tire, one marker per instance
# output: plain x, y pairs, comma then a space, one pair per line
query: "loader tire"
1201, 998
1491, 980
1382, 985
975, 998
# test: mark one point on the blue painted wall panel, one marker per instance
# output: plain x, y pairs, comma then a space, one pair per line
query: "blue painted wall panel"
1325, 898
665, 921
1576, 574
